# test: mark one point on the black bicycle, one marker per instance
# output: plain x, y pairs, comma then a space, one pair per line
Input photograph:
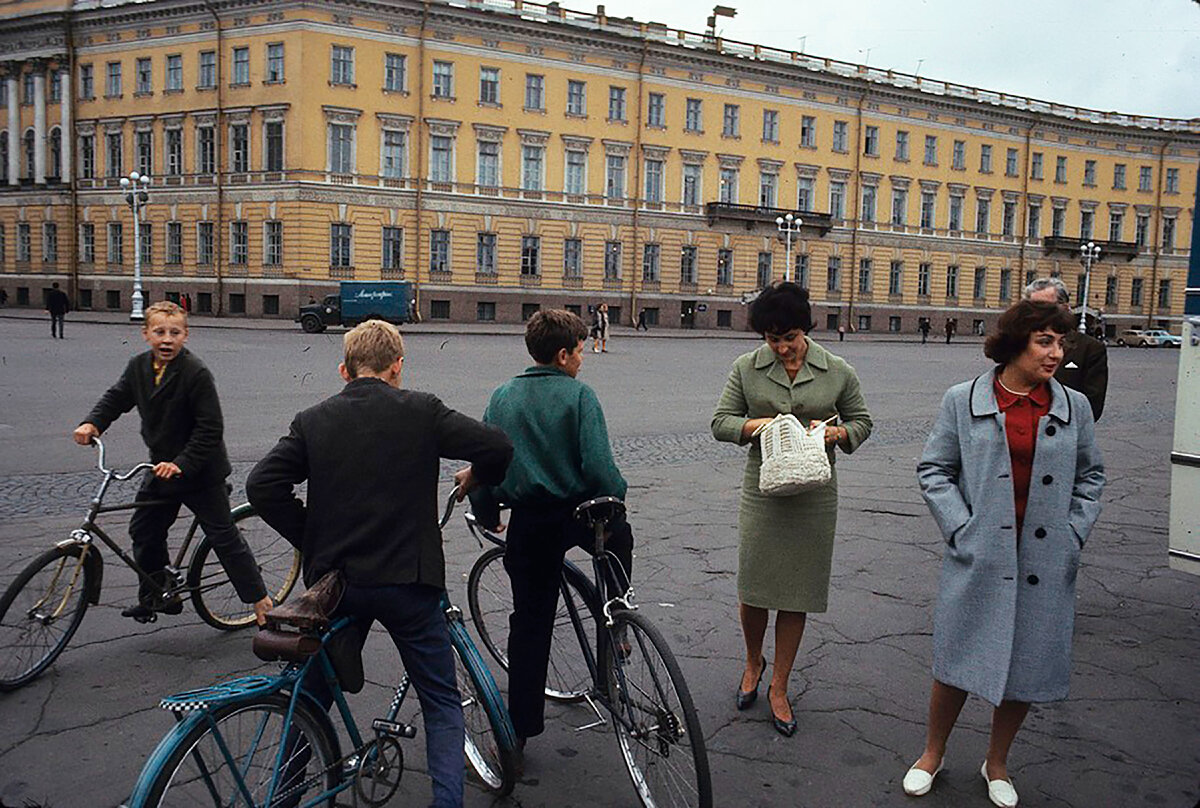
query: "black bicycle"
44, 605
629, 676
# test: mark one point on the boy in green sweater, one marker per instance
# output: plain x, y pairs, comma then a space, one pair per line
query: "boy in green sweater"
561, 458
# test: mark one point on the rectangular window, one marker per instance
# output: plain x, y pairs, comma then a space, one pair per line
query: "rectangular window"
729, 186
1005, 285
868, 203
899, 206
864, 276
1119, 177
1035, 221
341, 148
801, 265
528, 310
49, 242
393, 248
894, 324
25, 243
725, 267
951, 281
804, 193
572, 258
439, 310
488, 171
204, 243
931, 150
833, 276
840, 130
532, 159
1058, 220
87, 243
535, 92
808, 132
616, 104
687, 264
206, 154
1060, 169
1116, 221
1145, 178
731, 121
531, 248
144, 147
392, 157
112, 84
923, 273
928, 209
654, 180
980, 290
1110, 290
1172, 186
87, 85
237, 303
340, 238
275, 72
274, 146
239, 147
651, 254
489, 85
341, 65
767, 183
273, 244
241, 65
443, 79
692, 183
146, 242
1168, 233
174, 242
896, 278
902, 146
116, 243
114, 163
439, 251
871, 141
112, 298
1164, 294
143, 77
1135, 292
770, 130
837, 200
956, 213
1008, 223
1089, 172
485, 311
614, 177
693, 122
1035, 166
983, 210
576, 172
485, 253
208, 70
959, 156
765, 274
1142, 230
1010, 163
270, 304
1086, 221
612, 260
174, 77
576, 97
239, 243
395, 68
864, 322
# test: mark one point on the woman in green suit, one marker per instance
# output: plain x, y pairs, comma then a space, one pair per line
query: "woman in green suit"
785, 547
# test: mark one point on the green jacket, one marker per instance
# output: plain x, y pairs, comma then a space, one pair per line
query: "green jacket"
560, 441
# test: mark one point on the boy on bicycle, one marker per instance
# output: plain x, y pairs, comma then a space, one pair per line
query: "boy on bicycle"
182, 427
371, 456
561, 458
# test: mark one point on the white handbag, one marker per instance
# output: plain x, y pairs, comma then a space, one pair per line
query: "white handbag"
793, 458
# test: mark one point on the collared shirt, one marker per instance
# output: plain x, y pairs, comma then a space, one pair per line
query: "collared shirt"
1021, 415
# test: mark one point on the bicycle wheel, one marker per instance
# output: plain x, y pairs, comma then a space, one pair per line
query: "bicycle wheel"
654, 717
213, 595
489, 599
40, 611
489, 740
231, 760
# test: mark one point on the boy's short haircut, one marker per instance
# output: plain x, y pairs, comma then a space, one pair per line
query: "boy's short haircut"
550, 330
373, 345
165, 308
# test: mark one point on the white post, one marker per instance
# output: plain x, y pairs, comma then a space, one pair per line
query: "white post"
14, 128
136, 188
39, 123
1090, 252
67, 137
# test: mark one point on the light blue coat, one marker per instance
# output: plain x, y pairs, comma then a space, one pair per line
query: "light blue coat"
1006, 604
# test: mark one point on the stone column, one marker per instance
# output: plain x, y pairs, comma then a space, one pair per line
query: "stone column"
67, 139
14, 125
39, 123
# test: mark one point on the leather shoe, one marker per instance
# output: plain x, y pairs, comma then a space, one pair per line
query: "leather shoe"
1000, 792
747, 697
148, 614
917, 782
785, 728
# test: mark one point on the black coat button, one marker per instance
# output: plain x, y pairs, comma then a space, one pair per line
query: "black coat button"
1040, 532
1033, 579
1050, 430
1049, 478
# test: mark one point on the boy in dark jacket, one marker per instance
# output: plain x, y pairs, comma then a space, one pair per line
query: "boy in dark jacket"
182, 426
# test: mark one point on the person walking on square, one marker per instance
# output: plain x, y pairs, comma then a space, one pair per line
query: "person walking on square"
182, 426
57, 305
370, 456
949, 329
1012, 475
641, 323
923, 327
600, 329
1084, 365
785, 545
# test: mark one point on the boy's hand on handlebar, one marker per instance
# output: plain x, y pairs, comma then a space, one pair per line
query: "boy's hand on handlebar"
166, 470
261, 608
465, 480
84, 433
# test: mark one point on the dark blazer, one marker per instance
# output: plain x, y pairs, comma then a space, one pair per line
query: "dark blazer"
57, 302
371, 456
1085, 368
181, 416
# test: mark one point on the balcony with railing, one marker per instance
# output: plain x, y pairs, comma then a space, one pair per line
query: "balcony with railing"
1109, 250
751, 215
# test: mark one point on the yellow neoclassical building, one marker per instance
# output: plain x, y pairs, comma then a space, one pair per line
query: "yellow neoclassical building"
508, 155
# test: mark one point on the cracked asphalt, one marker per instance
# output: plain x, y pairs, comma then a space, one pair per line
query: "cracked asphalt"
1129, 735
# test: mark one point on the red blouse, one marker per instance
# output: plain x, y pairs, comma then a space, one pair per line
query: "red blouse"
1021, 414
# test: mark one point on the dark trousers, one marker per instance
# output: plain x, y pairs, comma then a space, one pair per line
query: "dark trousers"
56, 325
148, 528
412, 615
538, 540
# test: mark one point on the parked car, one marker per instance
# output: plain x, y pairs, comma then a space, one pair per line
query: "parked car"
1166, 338
1148, 338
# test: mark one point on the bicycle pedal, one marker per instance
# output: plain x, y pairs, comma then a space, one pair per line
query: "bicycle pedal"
394, 728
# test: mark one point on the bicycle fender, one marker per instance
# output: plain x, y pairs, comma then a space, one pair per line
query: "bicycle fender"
158, 757
493, 704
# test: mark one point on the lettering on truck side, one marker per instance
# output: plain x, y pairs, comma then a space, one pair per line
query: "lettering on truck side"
379, 294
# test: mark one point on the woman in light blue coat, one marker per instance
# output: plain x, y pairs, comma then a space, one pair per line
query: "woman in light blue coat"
1012, 475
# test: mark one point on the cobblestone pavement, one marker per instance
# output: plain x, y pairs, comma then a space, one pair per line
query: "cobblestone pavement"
1126, 737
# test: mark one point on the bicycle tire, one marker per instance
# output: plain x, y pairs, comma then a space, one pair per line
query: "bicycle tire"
188, 768
29, 643
489, 740
489, 600
213, 595
662, 743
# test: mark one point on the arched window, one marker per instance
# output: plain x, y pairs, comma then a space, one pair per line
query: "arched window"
29, 148
56, 153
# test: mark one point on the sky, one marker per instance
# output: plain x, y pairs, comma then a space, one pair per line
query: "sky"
1133, 56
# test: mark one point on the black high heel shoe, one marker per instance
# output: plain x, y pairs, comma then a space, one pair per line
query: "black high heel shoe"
747, 697
785, 728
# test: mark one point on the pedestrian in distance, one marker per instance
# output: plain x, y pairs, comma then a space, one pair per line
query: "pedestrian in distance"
841, 333
370, 456
3, 297
600, 329
1084, 366
57, 304
785, 544
949, 329
641, 321
1012, 475
176, 397
923, 327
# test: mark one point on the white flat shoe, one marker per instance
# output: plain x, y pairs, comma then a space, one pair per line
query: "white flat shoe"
1000, 792
917, 782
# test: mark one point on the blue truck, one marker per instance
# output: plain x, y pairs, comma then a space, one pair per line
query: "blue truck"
360, 300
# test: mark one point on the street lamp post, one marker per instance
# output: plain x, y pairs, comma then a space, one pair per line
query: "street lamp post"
1089, 252
789, 225
137, 194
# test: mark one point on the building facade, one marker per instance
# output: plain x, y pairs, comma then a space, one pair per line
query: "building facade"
512, 155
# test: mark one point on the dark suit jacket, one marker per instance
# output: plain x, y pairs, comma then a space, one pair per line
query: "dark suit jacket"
1085, 368
371, 456
181, 417
57, 302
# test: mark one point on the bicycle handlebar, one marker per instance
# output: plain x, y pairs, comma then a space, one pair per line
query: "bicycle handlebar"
116, 475
451, 501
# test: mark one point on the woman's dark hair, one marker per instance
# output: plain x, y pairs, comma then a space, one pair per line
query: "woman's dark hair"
780, 308
550, 330
1011, 336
